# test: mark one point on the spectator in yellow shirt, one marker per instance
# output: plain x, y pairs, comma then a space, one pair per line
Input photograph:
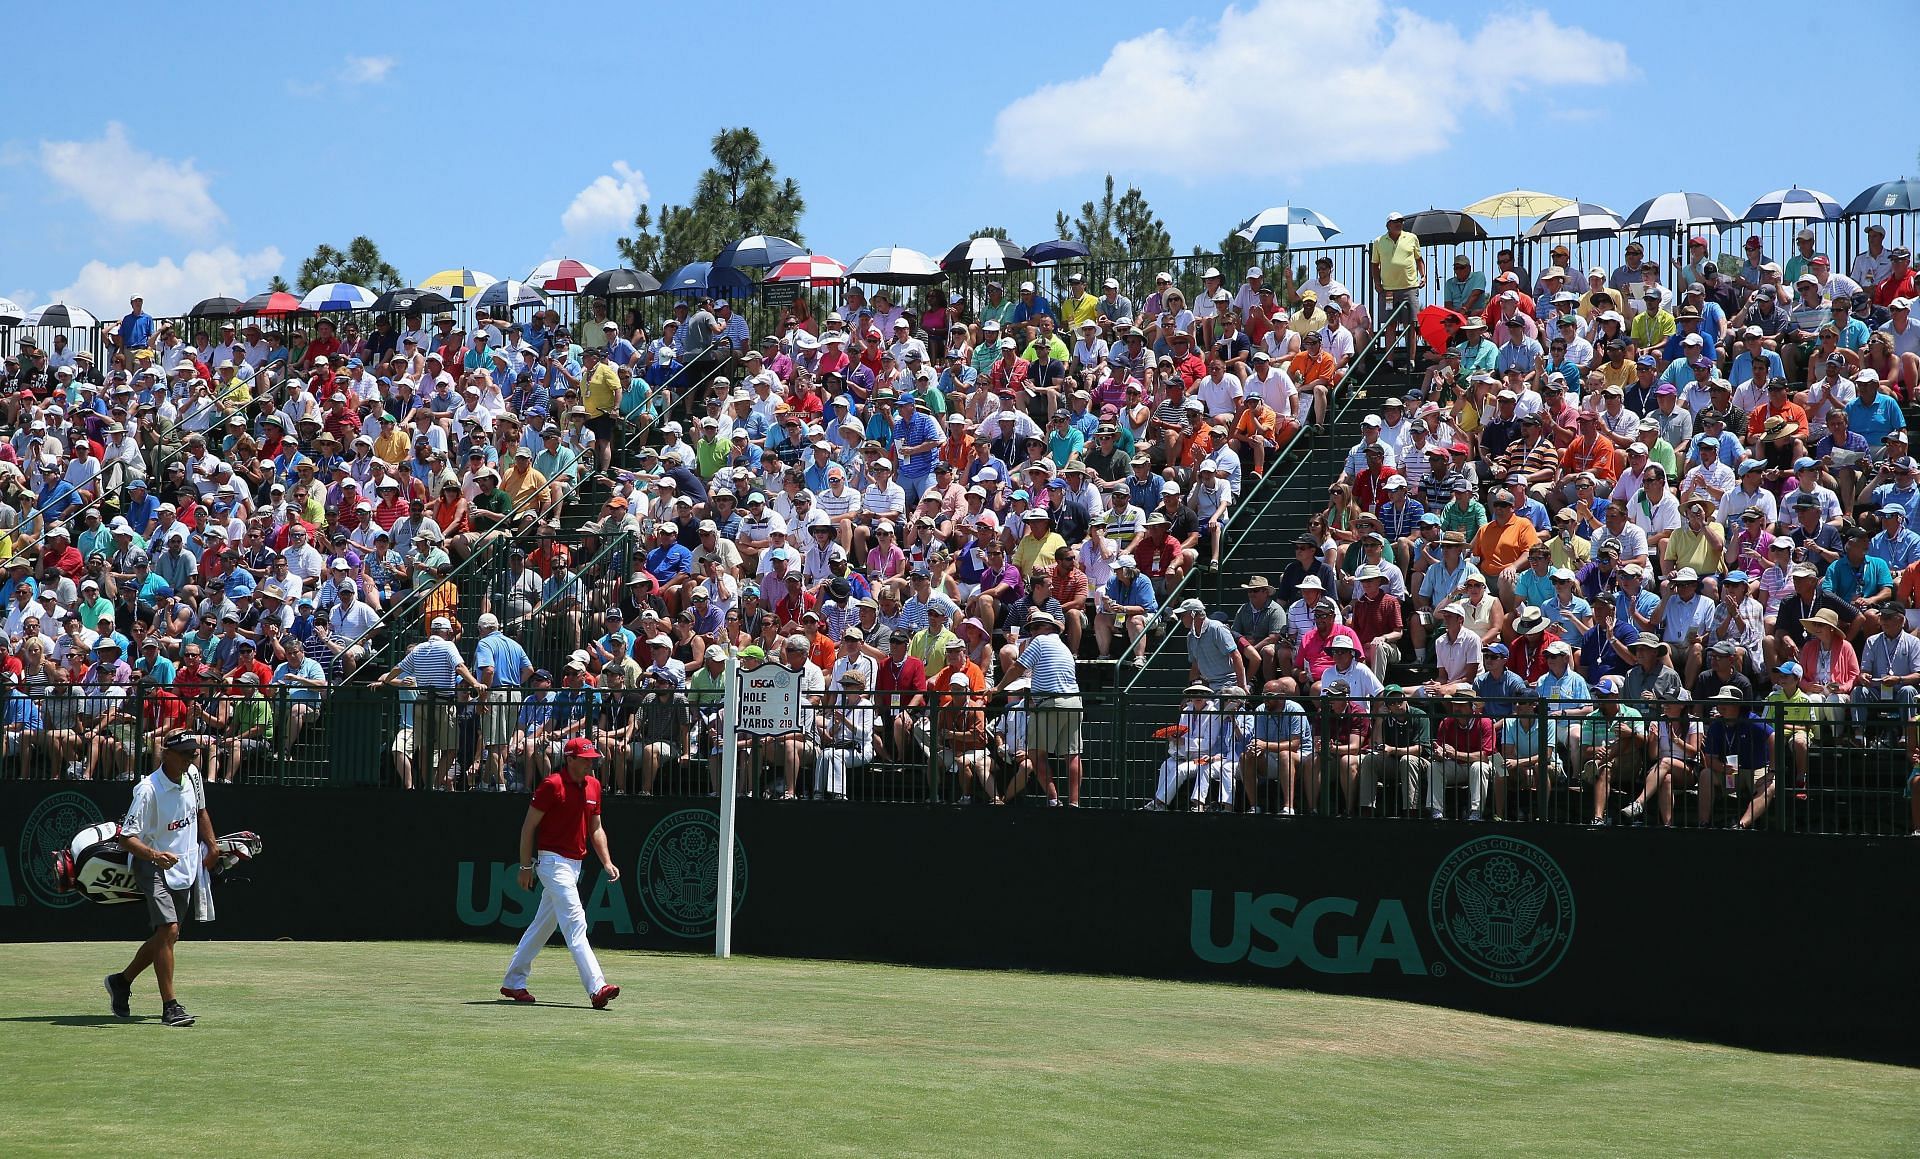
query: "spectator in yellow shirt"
600, 395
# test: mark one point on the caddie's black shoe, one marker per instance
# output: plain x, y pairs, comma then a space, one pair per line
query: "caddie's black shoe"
175, 1014
121, 992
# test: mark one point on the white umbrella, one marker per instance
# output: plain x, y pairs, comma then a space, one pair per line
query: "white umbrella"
10, 312
895, 266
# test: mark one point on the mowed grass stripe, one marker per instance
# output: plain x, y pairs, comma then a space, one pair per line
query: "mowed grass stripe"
401, 1049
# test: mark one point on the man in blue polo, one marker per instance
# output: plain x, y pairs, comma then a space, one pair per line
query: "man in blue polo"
1873, 413
917, 438
502, 665
136, 328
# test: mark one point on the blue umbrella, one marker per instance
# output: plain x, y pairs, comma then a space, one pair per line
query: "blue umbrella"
759, 252
1287, 227
1899, 196
697, 278
1059, 249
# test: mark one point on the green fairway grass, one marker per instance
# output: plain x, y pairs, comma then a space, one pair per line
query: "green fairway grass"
403, 1049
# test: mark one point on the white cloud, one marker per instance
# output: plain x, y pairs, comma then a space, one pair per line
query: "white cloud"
128, 186
169, 286
607, 204
1286, 86
367, 70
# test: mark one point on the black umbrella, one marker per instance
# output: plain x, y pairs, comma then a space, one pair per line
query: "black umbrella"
1443, 227
985, 253
217, 308
622, 283
410, 298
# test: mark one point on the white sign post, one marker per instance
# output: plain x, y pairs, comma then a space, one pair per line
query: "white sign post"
763, 702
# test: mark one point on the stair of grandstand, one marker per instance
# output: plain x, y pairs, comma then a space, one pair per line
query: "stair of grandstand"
407, 622
1259, 542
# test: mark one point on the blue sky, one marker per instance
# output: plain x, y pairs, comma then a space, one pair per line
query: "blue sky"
505, 140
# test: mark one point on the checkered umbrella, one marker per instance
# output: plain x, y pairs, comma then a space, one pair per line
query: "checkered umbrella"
1795, 204
562, 276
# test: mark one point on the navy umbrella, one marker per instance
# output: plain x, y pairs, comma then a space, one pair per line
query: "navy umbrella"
759, 252
1058, 249
622, 283
1898, 196
697, 278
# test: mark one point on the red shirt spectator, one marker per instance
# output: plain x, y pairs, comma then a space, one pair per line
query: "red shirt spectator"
1374, 617
1471, 735
899, 682
1368, 486
1527, 656
1313, 654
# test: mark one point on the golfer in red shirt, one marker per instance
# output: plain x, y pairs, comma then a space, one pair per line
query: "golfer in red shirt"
564, 815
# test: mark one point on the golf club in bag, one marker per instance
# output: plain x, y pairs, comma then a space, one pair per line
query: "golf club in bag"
99, 868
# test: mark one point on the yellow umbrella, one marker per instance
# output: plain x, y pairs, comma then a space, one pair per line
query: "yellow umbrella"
1517, 203
459, 284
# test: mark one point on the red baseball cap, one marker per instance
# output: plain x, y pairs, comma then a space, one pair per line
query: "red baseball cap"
580, 746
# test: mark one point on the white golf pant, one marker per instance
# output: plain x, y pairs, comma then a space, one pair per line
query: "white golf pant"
559, 906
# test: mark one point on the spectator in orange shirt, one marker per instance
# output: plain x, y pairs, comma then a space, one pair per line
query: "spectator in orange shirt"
1591, 452
1260, 431
1314, 370
1502, 544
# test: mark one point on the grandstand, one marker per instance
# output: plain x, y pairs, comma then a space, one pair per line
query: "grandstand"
544, 476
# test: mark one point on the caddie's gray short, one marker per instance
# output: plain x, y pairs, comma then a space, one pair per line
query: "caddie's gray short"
164, 906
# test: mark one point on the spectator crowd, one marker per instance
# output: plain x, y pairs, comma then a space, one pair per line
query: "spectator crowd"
1593, 514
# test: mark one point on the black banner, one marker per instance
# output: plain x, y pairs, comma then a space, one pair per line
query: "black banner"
1780, 942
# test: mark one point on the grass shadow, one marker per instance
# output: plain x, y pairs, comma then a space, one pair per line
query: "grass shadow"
502, 1002
79, 1019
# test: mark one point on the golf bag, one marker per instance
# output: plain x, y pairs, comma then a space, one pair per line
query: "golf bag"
100, 869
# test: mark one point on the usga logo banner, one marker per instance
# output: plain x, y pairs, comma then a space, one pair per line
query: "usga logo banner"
1500, 910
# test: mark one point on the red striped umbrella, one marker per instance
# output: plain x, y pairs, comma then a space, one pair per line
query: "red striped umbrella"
561, 276
816, 270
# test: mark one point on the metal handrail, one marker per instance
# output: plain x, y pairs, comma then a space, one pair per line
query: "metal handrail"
1239, 519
